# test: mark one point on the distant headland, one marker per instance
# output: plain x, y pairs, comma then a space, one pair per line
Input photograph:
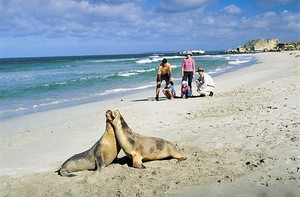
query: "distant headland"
266, 45
254, 46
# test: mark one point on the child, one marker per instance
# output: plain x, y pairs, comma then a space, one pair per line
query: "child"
185, 90
169, 90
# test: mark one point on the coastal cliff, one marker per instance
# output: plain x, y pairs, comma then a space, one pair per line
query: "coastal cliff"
265, 45
261, 45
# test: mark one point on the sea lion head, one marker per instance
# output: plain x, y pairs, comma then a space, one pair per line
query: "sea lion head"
109, 116
116, 115
115, 118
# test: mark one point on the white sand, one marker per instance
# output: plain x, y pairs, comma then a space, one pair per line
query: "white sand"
244, 141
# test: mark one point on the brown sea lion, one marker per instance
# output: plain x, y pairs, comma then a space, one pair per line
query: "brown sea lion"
141, 148
103, 153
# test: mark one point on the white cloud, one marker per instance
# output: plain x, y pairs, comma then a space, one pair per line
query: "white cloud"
291, 20
125, 21
232, 9
64, 16
264, 22
272, 3
181, 5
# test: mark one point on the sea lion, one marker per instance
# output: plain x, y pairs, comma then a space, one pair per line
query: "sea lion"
138, 147
103, 153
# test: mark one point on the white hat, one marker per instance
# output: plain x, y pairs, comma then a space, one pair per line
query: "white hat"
184, 82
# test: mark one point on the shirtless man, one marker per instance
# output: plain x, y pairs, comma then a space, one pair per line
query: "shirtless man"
164, 72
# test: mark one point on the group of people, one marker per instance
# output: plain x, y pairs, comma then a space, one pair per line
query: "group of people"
204, 84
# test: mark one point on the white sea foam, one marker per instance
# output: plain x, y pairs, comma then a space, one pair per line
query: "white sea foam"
156, 58
88, 78
61, 101
147, 70
112, 60
61, 83
128, 74
13, 110
172, 57
227, 57
119, 90
51, 84
134, 72
238, 61
51, 103
46, 84
219, 70
146, 61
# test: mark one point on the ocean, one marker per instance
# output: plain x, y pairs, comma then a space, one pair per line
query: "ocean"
29, 85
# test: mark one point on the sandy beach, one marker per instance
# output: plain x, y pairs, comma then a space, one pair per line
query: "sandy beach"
243, 141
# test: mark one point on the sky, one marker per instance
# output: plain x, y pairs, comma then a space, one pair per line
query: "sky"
35, 28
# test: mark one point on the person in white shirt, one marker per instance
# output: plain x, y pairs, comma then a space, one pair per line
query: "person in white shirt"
205, 84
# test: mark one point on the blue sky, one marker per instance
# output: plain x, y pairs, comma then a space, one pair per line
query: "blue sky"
94, 27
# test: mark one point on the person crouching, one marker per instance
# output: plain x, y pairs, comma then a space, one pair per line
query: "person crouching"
185, 90
205, 84
169, 90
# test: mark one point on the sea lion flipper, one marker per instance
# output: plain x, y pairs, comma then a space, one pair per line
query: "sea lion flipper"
63, 172
100, 163
137, 161
182, 158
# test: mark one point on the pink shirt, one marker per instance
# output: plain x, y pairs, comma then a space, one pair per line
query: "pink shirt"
188, 65
184, 90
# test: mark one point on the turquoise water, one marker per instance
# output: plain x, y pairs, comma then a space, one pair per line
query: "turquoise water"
28, 85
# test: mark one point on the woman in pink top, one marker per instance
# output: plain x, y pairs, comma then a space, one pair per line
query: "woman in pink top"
188, 69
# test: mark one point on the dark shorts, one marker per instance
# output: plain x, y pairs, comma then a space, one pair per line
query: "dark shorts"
163, 78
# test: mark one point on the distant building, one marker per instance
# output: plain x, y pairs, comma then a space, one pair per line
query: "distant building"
192, 52
241, 49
